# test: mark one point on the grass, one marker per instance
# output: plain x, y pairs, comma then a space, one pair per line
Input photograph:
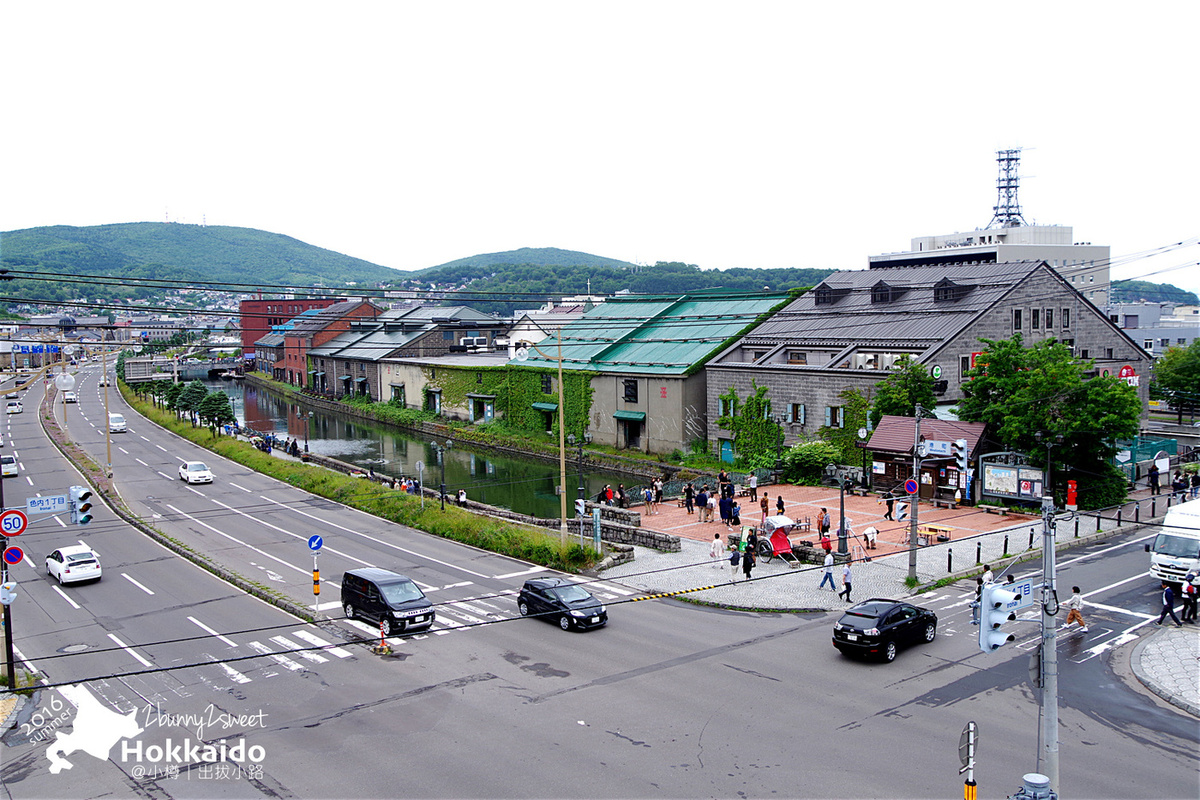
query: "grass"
498, 536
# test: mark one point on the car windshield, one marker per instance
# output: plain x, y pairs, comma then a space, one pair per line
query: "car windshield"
196, 466
1176, 546
402, 592
570, 594
116, 418
8, 459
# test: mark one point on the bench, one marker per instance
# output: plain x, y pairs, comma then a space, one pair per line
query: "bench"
941, 503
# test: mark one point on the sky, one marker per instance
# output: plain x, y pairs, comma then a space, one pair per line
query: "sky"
749, 134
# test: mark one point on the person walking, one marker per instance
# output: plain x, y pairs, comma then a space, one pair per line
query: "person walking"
826, 545
689, 497
735, 561
823, 522
658, 494
988, 575
619, 497
1168, 603
716, 551
1196, 484
735, 514
1074, 604
975, 605
748, 562
1189, 591
702, 502
765, 505
779, 505
845, 581
725, 506
752, 485
891, 507
1152, 476
828, 576
648, 500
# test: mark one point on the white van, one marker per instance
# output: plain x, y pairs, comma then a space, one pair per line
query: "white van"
116, 423
1176, 549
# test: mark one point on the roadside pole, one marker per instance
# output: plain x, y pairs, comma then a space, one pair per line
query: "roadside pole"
915, 498
1049, 755
10, 669
562, 449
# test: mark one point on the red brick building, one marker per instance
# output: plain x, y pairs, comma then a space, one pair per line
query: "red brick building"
257, 316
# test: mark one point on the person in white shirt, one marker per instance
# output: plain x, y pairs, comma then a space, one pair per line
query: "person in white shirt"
716, 551
988, 577
1073, 605
753, 486
828, 573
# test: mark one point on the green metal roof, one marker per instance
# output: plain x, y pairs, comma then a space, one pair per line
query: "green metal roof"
546, 406
632, 416
655, 335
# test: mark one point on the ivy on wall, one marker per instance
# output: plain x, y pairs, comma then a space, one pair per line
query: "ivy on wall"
516, 390
855, 407
756, 437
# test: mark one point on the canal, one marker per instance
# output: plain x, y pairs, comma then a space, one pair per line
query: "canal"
522, 485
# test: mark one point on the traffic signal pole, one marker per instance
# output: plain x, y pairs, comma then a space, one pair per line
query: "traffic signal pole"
10, 668
914, 500
1049, 755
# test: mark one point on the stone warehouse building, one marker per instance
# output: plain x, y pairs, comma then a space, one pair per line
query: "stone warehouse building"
851, 329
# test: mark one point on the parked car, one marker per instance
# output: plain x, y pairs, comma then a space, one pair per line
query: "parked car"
75, 563
879, 627
14, 407
386, 598
559, 600
8, 466
195, 472
69, 397
116, 423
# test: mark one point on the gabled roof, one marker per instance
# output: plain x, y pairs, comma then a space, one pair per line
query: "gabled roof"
652, 334
368, 345
318, 319
895, 434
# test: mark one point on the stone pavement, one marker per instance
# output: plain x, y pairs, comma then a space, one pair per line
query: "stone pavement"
1165, 660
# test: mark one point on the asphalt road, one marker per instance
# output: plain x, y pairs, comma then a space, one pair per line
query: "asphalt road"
670, 700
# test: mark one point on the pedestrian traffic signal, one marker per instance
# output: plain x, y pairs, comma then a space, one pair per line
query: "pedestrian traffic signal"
581, 507
8, 592
81, 505
959, 449
997, 606
901, 511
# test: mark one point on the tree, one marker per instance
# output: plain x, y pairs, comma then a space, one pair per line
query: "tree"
899, 394
190, 398
215, 410
756, 436
845, 438
1177, 377
1023, 391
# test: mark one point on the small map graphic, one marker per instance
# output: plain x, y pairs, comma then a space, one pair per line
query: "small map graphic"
95, 729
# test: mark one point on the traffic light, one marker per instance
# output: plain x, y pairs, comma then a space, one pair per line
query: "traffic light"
959, 448
581, 507
81, 505
8, 593
901, 511
996, 608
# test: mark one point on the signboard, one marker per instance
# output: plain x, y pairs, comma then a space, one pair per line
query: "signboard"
13, 522
1019, 482
54, 504
936, 447
13, 555
314, 543
1129, 375
910, 486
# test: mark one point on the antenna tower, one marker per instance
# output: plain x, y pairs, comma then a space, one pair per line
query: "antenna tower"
1007, 211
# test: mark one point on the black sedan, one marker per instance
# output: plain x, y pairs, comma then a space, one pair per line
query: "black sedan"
879, 627
559, 599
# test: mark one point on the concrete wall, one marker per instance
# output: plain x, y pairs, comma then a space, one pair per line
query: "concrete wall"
673, 405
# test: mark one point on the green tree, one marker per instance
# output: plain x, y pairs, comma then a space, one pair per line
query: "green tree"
899, 394
756, 436
1023, 391
855, 407
1177, 377
805, 463
190, 398
215, 410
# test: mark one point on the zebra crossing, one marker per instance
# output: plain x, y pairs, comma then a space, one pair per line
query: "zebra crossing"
284, 650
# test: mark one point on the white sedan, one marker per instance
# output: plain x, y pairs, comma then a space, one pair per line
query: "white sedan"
74, 563
195, 472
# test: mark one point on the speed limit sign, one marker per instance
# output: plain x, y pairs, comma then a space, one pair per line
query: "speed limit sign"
13, 522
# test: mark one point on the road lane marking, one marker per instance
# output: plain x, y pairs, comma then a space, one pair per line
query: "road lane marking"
211, 632
299, 536
123, 450
129, 650
1136, 577
65, 597
294, 649
282, 661
329, 647
239, 541
165, 475
135, 583
529, 571
143, 463
236, 676
375, 539
234, 485
160, 447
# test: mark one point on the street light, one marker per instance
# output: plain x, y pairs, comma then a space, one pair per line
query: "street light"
306, 419
587, 439
441, 450
836, 472
1049, 441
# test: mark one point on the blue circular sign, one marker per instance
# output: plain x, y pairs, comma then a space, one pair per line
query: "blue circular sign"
314, 543
13, 555
910, 486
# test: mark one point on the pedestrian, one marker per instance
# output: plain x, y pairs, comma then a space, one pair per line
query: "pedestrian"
869, 535
828, 576
620, 495
1152, 475
1168, 603
462, 497
779, 504
1196, 484
735, 560
1073, 605
752, 540
725, 505
891, 505
702, 502
845, 581
747, 561
1189, 591
1179, 486
722, 482
716, 550
823, 522
826, 545
658, 493
752, 484
735, 514
988, 577
648, 499
765, 505
689, 497
977, 602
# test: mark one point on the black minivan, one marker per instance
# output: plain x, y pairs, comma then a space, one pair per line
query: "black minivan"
384, 597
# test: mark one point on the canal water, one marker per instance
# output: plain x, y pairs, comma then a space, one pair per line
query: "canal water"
524, 486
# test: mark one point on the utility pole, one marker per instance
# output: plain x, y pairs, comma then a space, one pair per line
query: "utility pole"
562, 449
1049, 754
915, 499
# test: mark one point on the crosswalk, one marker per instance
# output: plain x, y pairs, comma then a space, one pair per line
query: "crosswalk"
283, 650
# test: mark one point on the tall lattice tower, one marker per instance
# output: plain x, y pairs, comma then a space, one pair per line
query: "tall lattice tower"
1007, 211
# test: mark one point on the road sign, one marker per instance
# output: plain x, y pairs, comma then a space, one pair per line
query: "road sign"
420, 465
314, 543
910, 486
13, 522
13, 555
54, 504
967, 742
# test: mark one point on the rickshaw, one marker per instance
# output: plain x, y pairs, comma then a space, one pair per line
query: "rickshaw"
773, 540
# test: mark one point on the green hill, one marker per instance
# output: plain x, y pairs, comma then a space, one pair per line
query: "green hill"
1130, 291
171, 251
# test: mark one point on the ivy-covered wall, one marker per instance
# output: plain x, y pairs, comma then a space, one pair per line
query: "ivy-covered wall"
756, 437
516, 390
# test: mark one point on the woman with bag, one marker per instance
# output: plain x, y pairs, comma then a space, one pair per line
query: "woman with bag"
748, 562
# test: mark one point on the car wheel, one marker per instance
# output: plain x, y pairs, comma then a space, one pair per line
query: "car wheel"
564, 622
349, 609
389, 626
523, 607
60, 580
889, 652
930, 632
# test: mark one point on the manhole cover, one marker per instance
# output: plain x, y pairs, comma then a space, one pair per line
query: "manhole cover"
74, 648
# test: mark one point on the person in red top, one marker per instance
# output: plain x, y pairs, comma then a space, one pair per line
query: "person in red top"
826, 545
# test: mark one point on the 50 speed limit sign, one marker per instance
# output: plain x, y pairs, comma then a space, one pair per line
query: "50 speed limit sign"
13, 522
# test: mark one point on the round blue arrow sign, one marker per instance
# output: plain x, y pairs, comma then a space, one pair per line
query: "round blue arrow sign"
314, 543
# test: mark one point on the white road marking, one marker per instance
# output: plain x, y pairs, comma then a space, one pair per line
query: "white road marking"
211, 632
123, 450
135, 583
529, 571
312, 638
65, 597
301, 537
236, 676
143, 463
234, 485
283, 661
160, 447
1131, 578
294, 648
239, 541
129, 650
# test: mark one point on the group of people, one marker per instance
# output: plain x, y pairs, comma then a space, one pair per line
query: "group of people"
612, 497
1189, 590
743, 556
827, 575
1182, 486
652, 496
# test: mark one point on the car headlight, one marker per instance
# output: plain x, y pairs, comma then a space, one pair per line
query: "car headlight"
578, 613
603, 609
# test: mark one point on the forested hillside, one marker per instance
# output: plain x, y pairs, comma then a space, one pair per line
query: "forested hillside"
1135, 291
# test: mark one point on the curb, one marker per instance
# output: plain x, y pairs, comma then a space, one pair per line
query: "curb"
1135, 662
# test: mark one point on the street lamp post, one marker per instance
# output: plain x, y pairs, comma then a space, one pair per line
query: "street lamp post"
441, 453
836, 472
587, 439
1048, 755
307, 419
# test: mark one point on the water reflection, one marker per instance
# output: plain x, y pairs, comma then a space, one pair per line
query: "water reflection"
525, 486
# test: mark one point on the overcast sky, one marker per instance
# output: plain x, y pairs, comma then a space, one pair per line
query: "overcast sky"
749, 134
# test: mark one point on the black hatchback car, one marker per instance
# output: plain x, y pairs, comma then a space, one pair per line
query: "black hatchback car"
558, 599
879, 627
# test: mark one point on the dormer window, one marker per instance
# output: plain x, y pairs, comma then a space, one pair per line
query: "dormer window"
886, 293
947, 291
827, 295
